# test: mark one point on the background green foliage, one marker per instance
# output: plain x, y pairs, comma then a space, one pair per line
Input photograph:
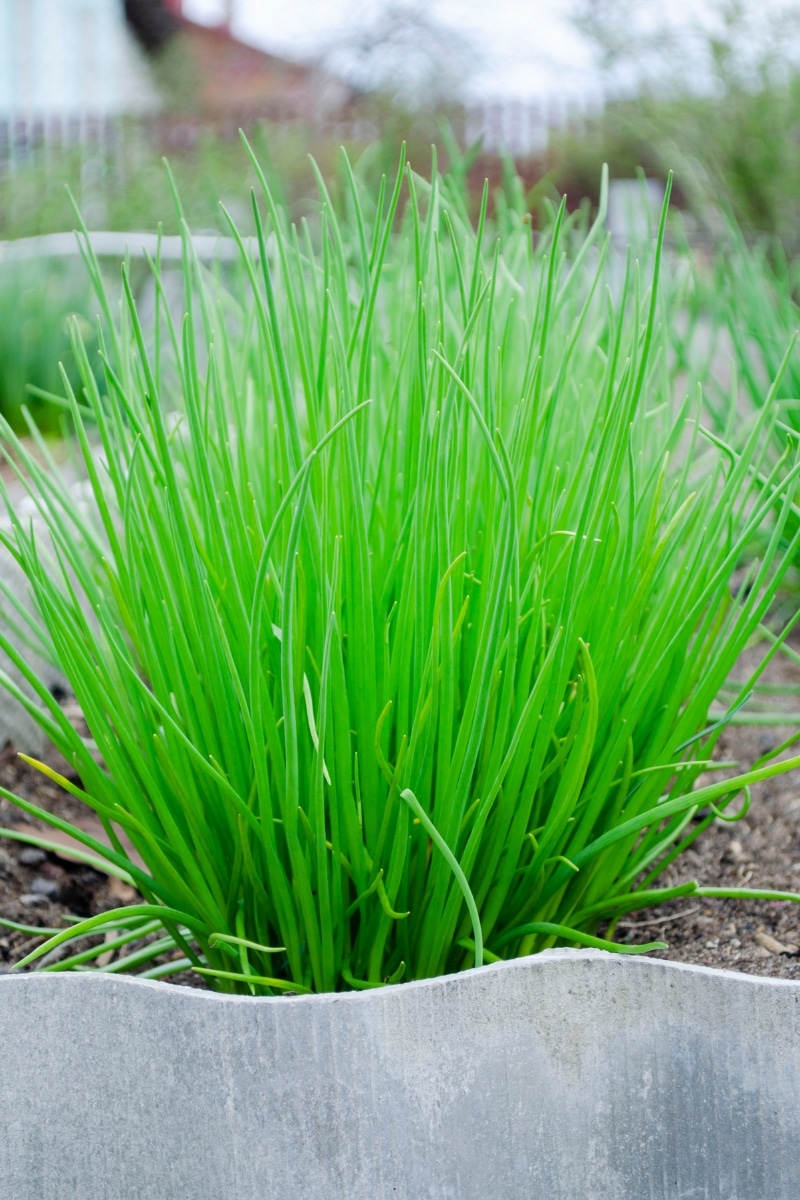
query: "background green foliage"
717, 101
37, 299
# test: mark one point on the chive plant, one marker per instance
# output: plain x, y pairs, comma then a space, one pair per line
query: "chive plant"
756, 289
741, 332
400, 601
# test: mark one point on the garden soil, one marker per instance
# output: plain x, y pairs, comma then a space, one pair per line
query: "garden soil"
761, 850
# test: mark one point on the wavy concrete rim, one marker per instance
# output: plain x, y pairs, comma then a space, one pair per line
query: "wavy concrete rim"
628, 962
571, 1074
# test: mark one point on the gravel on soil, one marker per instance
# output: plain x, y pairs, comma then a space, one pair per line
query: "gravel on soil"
758, 937
762, 850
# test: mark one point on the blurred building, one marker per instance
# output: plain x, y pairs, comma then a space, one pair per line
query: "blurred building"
232, 77
62, 59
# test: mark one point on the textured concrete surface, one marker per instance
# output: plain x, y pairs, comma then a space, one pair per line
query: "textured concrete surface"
574, 1074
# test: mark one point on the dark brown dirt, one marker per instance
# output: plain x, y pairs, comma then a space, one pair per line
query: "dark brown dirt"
758, 937
760, 851
39, 889
81, 890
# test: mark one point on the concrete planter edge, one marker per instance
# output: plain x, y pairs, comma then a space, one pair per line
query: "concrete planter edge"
568, 1074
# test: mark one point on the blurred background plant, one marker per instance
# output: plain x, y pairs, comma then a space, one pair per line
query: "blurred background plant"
710, 90
715, 98
37, 299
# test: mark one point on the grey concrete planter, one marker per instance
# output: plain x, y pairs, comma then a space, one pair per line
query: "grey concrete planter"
572, 1074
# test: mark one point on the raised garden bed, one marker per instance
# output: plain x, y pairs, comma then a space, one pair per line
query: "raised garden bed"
397, 662
572, 1075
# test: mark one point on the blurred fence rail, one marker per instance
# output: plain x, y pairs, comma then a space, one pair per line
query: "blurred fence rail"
521, 128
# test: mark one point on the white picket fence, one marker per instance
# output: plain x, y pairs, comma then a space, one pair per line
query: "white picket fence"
521, 128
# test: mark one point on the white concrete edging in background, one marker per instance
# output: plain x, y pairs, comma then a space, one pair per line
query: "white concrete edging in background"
119, 245
572, 1075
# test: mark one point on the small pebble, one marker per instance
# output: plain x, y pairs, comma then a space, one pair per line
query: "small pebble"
31, 900
772, 944
45, 887
6, 864
32, 856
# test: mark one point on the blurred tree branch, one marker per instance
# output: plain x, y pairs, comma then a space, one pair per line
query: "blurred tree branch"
406, 55
714, 93
725, 44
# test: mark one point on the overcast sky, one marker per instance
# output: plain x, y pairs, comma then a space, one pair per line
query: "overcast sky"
528, 46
